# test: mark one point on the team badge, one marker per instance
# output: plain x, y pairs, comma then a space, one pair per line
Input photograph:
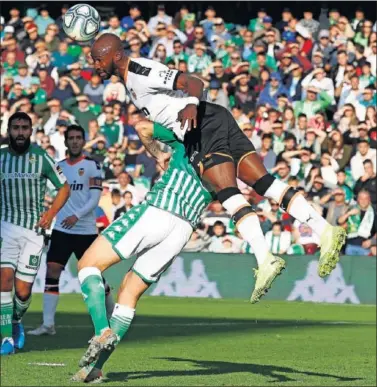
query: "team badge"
32, 159
133, 94
81, 171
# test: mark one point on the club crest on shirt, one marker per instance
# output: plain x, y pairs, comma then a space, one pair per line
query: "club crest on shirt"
32, 159
81, 171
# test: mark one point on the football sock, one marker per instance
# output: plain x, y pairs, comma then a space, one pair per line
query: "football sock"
50, 302
298, 206
6, 312
19, 308
93, 291
120, 322
248, 226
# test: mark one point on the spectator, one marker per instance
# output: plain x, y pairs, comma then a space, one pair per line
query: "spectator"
199, 61
309, 23
367, 182
273, 89
81, 112
75, 75
278, 240
111, 130
266, 153
114, 26
123, 184
58, 139
360, 223
61, 59
161, 17
114, 91
364, 152
43, 20
127, 205
311, 105
65, 90
128, 22
335, 205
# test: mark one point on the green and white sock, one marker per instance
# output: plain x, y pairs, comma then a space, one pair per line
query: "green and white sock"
120, 322
93, 291
19, 308
6, 312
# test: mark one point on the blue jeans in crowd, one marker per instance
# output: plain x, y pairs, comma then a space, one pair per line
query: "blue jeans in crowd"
356, 250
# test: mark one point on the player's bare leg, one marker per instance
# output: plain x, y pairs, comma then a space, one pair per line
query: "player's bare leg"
6, 311
252, 171
131, 289
222, 177
97, 259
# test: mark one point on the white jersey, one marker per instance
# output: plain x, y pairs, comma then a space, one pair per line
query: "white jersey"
82, 176
152, 88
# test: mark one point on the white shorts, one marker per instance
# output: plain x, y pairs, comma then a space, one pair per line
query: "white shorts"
155, 236
21, 250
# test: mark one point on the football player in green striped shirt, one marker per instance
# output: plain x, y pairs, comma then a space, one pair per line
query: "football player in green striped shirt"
155, 231
24, 171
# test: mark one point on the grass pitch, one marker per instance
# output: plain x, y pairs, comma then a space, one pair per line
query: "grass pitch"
206, 342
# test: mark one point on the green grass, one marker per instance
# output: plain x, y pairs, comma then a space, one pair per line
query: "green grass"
206, 342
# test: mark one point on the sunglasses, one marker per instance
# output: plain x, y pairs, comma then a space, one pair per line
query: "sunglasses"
199, 33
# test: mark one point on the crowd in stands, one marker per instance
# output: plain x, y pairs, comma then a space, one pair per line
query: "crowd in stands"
302, 89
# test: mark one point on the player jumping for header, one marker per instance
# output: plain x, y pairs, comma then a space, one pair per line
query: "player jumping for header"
218, 150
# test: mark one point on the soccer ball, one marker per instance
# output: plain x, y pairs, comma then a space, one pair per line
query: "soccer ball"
81, 22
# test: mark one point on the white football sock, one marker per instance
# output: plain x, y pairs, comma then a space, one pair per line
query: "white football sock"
249, 227
298, 207
50, 302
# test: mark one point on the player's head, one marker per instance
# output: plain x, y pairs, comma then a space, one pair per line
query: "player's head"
19, 131
107, 53
74, 140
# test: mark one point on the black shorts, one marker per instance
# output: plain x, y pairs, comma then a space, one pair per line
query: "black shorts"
216, 132
62, 245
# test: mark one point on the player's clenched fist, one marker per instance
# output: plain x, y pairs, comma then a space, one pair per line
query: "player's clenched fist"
188, 115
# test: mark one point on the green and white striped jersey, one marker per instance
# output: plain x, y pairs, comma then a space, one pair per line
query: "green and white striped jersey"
23, 184
179, 190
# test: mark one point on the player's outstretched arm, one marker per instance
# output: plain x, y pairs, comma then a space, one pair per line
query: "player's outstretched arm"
194, 88
57, 204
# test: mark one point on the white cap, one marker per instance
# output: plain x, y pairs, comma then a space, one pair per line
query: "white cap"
9, 29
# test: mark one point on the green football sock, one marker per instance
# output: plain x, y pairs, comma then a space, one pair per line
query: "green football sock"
6, 311
93, 291
19, 308
120, 322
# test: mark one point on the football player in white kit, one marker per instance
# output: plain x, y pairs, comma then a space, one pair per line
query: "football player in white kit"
75, 226
218, 150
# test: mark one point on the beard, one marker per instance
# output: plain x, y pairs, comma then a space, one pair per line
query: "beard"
17, 148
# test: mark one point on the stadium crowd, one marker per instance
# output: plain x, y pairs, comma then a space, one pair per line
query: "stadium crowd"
302, 90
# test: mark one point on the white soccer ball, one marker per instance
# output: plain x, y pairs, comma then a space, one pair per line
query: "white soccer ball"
81, 22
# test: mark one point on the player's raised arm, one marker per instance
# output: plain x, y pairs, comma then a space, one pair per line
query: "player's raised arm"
194, 88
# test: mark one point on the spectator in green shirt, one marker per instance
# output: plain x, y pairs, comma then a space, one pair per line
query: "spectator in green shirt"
10, 66
178, 53
111, 130
81, 112
39, 96
199, 61
257, 23
311, 105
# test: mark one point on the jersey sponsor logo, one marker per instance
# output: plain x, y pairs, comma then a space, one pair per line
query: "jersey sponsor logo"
32, 159
168, 76
18, 175
332, 289
76, 186
81, 171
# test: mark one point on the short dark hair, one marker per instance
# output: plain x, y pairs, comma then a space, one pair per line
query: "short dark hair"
127, 192
115, 192
267, 135
19, 116
367, 161
219, 223
278, 224
363, 141
74, 127
302, 115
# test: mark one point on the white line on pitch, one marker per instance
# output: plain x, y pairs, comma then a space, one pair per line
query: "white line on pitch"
48, 364
209, 324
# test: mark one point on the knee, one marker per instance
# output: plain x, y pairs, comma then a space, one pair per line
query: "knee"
263, 184
23, 292
7, 278
54, 270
